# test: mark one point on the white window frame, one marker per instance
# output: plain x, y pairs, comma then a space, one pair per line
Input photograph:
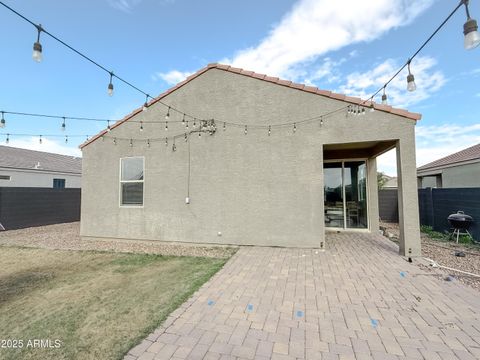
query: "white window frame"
120, 182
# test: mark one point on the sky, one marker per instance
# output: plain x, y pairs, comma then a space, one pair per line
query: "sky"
347, 46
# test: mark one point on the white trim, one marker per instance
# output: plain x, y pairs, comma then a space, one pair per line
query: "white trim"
120, 182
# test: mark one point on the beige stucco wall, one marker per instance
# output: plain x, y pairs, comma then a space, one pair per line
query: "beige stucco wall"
38, 178
253, 189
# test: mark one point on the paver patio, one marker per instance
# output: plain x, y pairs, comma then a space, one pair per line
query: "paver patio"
356, 300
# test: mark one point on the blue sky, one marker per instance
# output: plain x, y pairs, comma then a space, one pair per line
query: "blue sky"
349, 47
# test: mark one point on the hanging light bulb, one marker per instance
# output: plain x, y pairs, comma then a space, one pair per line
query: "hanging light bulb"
114, 141
384, 97
186, 137
166, 141
131, 142
66, 139
194, 124
321, 120
294, 128
148, 142
470, 30
186, 125
167, 115
110, 86
40, 139
174, 147
269, 130
141, 125
2, 122
363, 111
63, 125
411, 86
166, 125
246, 130
199, 132
183, 119
372, 106
37, 47
7, 140
224, 126
145, 105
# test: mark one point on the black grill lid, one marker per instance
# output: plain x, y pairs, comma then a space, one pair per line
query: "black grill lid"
460, 216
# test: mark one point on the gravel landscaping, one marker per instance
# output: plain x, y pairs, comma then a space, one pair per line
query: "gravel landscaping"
443, 253
67, 237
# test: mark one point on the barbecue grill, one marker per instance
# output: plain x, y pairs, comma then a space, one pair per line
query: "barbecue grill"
460, 223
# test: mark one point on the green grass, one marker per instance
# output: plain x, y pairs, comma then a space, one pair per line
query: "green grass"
98, 304
435, 235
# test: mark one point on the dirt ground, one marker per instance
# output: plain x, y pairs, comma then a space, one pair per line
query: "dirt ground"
66, 237
443, 253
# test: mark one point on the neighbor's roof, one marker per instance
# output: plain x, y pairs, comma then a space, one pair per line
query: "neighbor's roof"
275, 80
468, 154
16, 158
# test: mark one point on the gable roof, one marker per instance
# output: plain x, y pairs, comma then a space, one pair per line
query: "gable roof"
263, 77
16, 158
468, 154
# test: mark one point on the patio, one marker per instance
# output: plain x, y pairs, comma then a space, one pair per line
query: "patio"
356, 300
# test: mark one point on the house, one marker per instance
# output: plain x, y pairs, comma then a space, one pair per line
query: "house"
458, 170
28, 168
272, 163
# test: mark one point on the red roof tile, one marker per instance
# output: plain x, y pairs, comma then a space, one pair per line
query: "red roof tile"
263, 77
468, 154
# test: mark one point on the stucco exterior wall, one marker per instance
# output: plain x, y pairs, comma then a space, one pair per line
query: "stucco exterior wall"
461, 176
244, 189
37, 178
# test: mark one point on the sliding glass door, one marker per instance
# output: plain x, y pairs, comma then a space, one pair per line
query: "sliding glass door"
345, 194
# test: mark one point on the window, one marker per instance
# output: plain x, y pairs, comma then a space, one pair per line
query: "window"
131, 181
4, 177
59, 183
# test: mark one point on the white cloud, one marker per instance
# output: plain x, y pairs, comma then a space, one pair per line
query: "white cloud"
315, 27
427, 79
172, 77
47, 145
434, 142
124, 5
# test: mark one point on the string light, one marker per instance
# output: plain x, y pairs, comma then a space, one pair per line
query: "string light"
411, 86
470, 30
166, 125
114, 141
37, 47
2, 122
7, 140
245, 131
141, 125
269, 130
194, 119
174, 147
186, 137
294, 128
148, 142
183, 119
63, 125
66, 139
372, 106
224, 126
110, 85
131, 143
186, 125
167, 116
108, 126
166, 141
40, 139
384, 97
145, 105
321, 120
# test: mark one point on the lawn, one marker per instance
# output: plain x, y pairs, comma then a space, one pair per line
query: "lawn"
97, 304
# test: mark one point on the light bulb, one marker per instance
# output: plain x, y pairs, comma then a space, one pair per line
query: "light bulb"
472, 36
37, 52
63, 126
110, 89
245, 131
131, 142
166, 125
2, 122
66, 139
411, 86
148, 142
384, 99
145, 106
40, 139
167, 116
141, 126
7, 140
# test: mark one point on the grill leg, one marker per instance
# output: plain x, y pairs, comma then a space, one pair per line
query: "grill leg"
458, 234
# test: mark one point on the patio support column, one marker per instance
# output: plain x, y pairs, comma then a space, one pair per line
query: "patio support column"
408, 216
321, 202
372, 201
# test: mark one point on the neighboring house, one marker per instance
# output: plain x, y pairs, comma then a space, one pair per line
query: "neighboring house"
458, 170
28, 168
247, 183
391, 182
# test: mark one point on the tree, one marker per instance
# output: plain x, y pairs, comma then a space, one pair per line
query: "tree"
381, 180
